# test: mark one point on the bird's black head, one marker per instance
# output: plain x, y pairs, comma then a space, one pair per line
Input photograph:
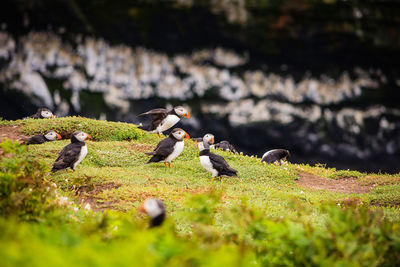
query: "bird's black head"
179, 134
80, 136
45, 113
52, 135
181, 112
209, 138
155, 209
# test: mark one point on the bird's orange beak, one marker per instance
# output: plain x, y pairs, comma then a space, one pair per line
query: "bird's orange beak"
187, 136
89, 136
187, 115
141, 208
212, 141
52, 116
58, 136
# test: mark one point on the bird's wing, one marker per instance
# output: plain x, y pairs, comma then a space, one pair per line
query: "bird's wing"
69, 154
164, 147
219, 162
37, 139
158, 112
157, 116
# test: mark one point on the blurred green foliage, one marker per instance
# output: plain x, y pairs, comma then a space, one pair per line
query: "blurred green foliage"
261, 219
24, 192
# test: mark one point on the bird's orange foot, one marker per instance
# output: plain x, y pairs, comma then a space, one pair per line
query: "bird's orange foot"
165, 164
169, 163
159, 135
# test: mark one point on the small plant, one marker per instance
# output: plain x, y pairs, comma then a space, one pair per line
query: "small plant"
345, 174
23, 191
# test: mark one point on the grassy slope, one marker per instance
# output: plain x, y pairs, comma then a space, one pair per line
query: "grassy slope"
114, 176
116, 155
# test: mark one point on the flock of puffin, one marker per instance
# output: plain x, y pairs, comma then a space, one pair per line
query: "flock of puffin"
166, 150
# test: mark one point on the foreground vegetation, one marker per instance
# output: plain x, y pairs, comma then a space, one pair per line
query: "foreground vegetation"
89, 217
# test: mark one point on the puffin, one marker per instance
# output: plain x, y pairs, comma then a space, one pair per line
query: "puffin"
209, 138
162, 119
276, 155
72, 154
42, 138
169, 148
155, 209
224, 145
42, 113
214, 163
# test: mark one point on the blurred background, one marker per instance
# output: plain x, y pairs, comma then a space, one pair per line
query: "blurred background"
320, 78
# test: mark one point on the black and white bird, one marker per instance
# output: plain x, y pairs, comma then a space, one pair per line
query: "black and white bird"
213, 163
72, 154
276, 155
224, 145
155, 209
208, 138
42, 113
162, 119
42, 138
169, 148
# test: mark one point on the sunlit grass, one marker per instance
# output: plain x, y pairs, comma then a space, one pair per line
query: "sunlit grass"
227, 221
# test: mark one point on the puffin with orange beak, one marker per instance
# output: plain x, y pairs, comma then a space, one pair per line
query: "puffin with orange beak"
72, 154
208, 138
169, 148
162, 119
213, 163
42, 138
43, 113
155, 209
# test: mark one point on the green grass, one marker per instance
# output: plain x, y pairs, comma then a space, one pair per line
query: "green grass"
114, 178
99, 130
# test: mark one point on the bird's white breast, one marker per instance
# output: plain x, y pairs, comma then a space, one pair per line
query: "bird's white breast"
206, 163
167, 123
178, 148
82, 155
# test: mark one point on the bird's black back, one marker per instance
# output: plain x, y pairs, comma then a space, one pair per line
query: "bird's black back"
68, 156
275, 155
38, 114
226, 146
163, 149
219, 163
37, 139
157, 221
157, 116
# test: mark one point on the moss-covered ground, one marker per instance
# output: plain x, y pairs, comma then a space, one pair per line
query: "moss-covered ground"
114, 178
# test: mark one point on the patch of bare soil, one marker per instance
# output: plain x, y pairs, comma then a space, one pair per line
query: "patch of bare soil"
11, 132
344, 185
88, 194
141, 147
